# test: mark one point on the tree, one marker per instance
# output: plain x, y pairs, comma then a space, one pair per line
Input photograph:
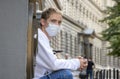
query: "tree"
112, 33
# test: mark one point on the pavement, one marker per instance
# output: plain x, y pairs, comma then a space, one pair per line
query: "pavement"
75, 74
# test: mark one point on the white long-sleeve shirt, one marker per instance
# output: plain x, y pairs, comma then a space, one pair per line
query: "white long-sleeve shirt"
47, 61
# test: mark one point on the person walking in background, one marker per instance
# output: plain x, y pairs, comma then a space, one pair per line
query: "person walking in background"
47, 65
90, 68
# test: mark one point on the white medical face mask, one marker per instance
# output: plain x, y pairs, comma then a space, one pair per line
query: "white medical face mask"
52, 29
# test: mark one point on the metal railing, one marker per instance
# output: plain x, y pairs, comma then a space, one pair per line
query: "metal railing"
107, 74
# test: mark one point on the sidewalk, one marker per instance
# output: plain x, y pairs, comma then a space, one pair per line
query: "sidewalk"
75, 74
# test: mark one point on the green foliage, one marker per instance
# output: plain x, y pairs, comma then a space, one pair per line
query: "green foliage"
112, 34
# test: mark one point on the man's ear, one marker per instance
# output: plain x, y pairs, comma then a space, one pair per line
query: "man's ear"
42, 21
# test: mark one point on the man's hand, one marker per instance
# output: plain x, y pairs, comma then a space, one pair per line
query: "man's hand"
83, 63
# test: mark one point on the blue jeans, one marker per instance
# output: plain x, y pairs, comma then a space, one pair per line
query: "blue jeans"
60, 74
90, 72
